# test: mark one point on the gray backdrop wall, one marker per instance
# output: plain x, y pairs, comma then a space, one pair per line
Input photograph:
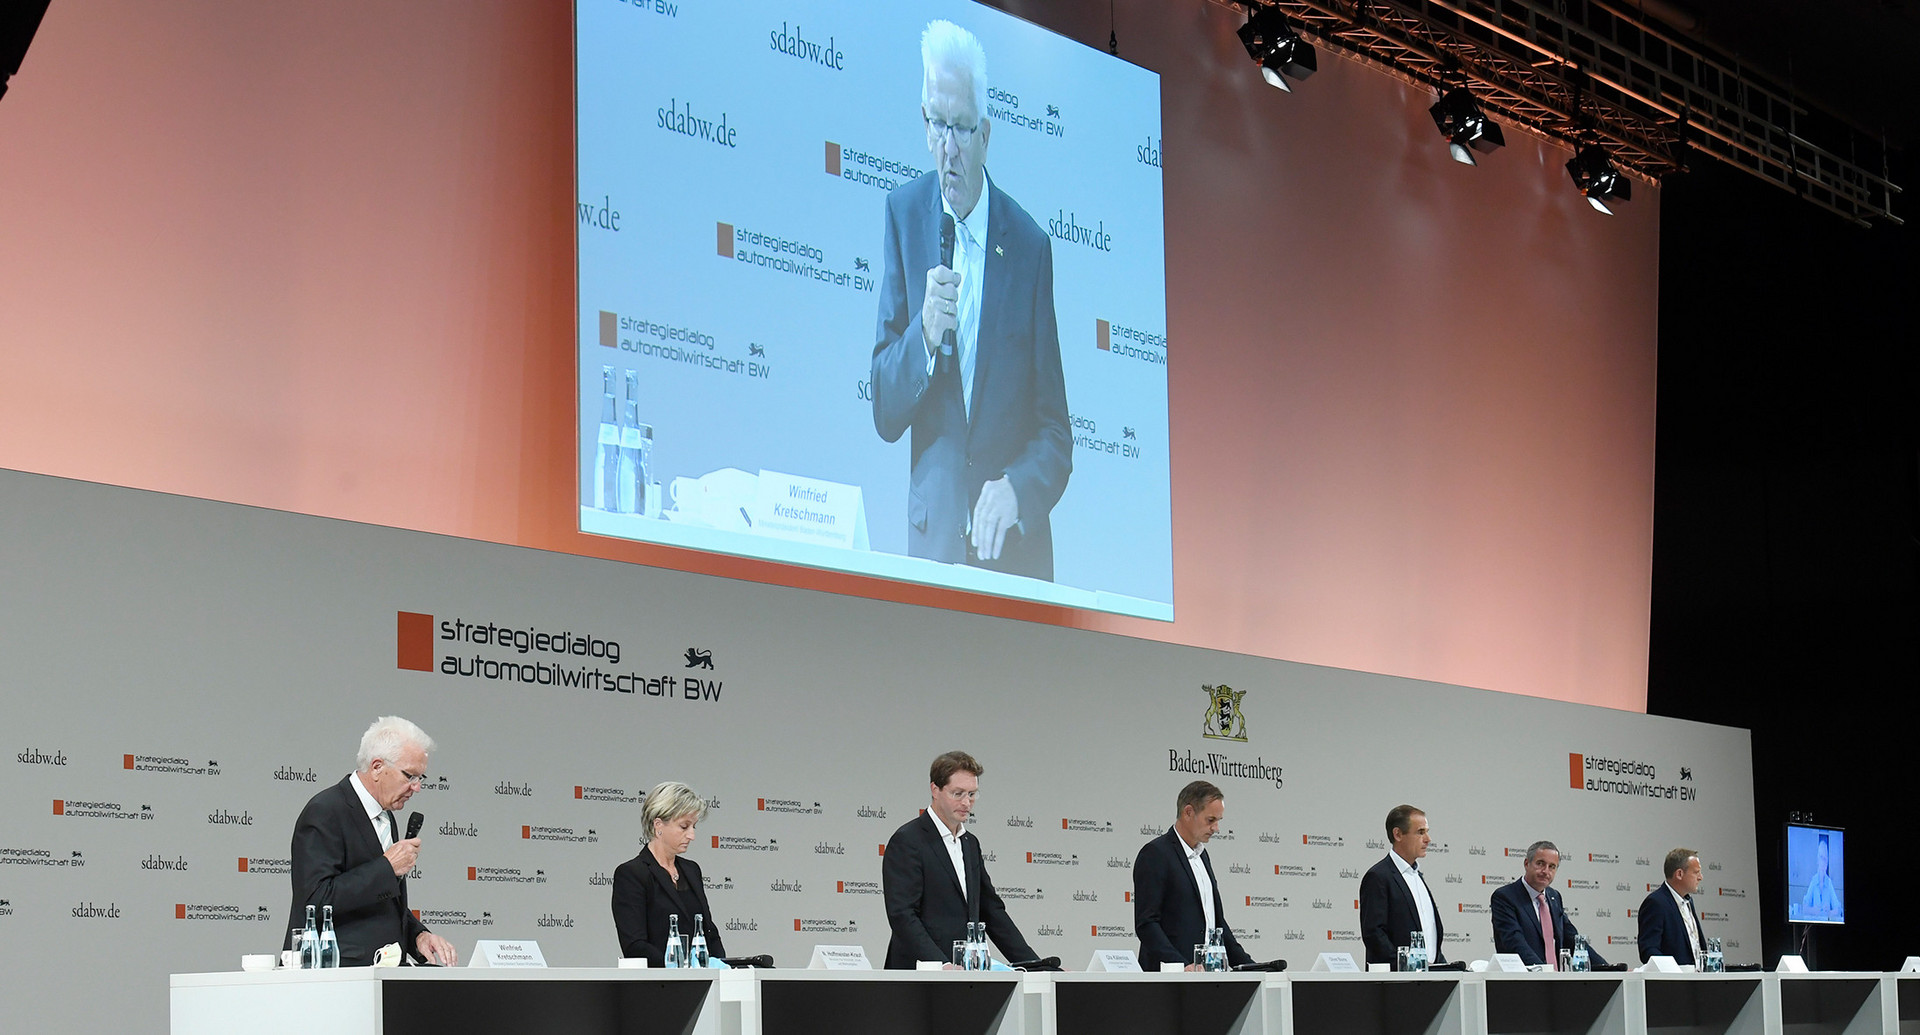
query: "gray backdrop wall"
178, 676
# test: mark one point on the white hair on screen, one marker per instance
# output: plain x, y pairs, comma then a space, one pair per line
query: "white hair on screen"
946, 45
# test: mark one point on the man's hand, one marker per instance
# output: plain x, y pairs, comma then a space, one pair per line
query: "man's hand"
403, 855
995, 513
940, 309
435, 948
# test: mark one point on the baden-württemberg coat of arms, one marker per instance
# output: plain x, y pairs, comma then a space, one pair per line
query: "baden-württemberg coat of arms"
1225, 720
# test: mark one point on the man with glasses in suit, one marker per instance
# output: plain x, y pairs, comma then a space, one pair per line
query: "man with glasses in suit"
935, 879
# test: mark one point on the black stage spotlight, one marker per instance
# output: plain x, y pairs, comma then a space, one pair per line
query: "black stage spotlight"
1594, 174
1279, 50
1465, 126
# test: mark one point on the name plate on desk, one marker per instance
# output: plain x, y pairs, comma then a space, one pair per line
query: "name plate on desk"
839, 957
1336, 963
1664, 965
1114, 961
1911, 966
507, 954
1791, 965
1506, 963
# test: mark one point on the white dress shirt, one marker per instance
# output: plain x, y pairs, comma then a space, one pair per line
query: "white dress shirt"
970, 261
1196, 861
1422, 901
1686, 917
377, 815
958, 858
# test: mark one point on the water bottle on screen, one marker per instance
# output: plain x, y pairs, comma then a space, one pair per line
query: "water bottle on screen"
1582, 960
309, 943
1417, 951
698, 954
673, 940
329, 942
606, 458
629, 474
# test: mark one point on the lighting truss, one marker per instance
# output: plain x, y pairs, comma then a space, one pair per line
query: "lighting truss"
1585, 71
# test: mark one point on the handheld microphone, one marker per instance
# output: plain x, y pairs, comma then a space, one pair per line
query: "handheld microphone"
414, 823
946, 259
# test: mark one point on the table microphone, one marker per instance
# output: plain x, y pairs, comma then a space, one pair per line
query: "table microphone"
414, 823
946, 259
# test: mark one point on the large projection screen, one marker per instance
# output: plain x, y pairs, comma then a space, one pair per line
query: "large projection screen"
748, 311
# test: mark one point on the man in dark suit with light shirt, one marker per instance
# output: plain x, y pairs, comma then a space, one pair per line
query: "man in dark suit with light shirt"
934, 879
1669, 925
1528, 918
1394, 898
1175, 897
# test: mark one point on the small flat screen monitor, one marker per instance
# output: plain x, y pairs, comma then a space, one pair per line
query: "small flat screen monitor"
1816, 875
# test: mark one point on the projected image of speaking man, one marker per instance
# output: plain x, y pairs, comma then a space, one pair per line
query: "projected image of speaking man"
968, 357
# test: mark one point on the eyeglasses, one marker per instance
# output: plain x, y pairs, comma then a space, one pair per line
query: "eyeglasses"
413, 778
962, 135
958, 795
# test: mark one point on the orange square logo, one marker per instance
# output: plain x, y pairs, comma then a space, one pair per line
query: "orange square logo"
762, 806
1103, 335
243, 864
526, 833
179, 910
1093, 929
723, 233
416, 914
1029, 856
1576, 771
839, 887
796, 923
578, 790
414, 634
59, 807
472, 873
1129, 895
1276, 868
716, 840
126, 761
1303, 839
609, 330
1249, 900
1063, 824
883, 851
833, 158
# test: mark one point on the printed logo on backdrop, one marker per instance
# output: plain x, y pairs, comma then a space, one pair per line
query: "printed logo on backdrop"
1323, 840
1321, 903
1343, 936
1453, 878
168, 764
1295, 870
737, 924
549, 920
433, 918
1239, 867
1576, 884
454, 828
1266, 901
222, 912
1086, 826
1477, 908
1351, 873
796, 45
1052, 859
788, 805
1130, 342
511, 789
505, 875
1050, 931
1293, 934
1225, 718
35, 756
1374, 844
1030, 894
777, 253
1471, 849
223, 818
830, 848
860, 166
1603, 857
42, 857
154, 862
261, 866
599, 879
724, 843
1119, 862
870, 812
1004, 108
564, 835
74, 809
784, 885
870, 887
813, 926
1731, 892
545, 658
1630, 777
1112, 930
89, 911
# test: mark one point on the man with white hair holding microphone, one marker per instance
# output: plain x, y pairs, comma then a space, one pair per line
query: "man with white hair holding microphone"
348, 853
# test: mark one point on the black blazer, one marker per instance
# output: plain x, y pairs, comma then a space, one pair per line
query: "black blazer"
1516, 925
337, 862
1167, 914
926, 907
643, 898
1662, 930
1388, 914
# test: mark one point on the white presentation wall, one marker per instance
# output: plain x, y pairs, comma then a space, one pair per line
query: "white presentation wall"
178, 676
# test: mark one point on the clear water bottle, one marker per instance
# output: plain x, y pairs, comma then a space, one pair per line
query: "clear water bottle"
673, 940
606, 458
309, 943
1582, 960
978, 955
329, 942
1216, 953
1417, 951
1714, 960
698, 953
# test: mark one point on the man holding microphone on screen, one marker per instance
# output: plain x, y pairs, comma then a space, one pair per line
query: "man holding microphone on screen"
968, 352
